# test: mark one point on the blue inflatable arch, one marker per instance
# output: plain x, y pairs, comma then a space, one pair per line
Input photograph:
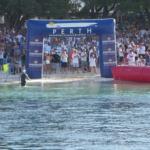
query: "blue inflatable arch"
39, 29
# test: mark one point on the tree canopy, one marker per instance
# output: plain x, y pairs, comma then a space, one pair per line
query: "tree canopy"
16, 12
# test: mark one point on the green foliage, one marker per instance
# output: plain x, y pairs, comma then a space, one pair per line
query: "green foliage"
103, 8
98, 8
17, 11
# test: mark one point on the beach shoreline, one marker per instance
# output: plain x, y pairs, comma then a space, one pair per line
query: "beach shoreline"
54, 78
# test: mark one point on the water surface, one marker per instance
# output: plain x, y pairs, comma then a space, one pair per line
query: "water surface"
90, 115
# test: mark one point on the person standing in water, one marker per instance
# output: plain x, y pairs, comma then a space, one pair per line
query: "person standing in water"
24, 76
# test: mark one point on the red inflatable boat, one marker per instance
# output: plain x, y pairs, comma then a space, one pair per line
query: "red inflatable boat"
131, 73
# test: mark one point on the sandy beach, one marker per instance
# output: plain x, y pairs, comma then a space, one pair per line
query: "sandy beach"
53, 78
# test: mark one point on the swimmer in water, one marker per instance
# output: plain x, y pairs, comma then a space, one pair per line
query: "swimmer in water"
24, 76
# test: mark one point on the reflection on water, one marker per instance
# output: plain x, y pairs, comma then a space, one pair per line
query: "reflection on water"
75, 116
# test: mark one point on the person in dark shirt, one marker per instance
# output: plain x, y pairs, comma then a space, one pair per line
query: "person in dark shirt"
147, 58
24, 76
56, 62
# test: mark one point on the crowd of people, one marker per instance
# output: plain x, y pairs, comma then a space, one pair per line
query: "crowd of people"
76, 54
133, 45
12, 51
71, 54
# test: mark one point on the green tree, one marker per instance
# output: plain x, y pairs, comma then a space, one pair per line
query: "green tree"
98, 8
109, 8
16, 12
54, 8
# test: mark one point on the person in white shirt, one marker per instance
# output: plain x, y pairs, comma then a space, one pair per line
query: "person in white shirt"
131, 58
121, 54
64, 60
19, 38
142, 32
142, 49
75, 61
92, 63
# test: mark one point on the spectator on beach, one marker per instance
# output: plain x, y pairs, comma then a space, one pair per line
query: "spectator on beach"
75, 61
55, 61
84, 59
140, 61
131, 58
47, 64
92, 62
142, 50
147, 58
120, 55
64, 61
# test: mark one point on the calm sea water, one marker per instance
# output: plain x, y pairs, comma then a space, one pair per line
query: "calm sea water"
75, 116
